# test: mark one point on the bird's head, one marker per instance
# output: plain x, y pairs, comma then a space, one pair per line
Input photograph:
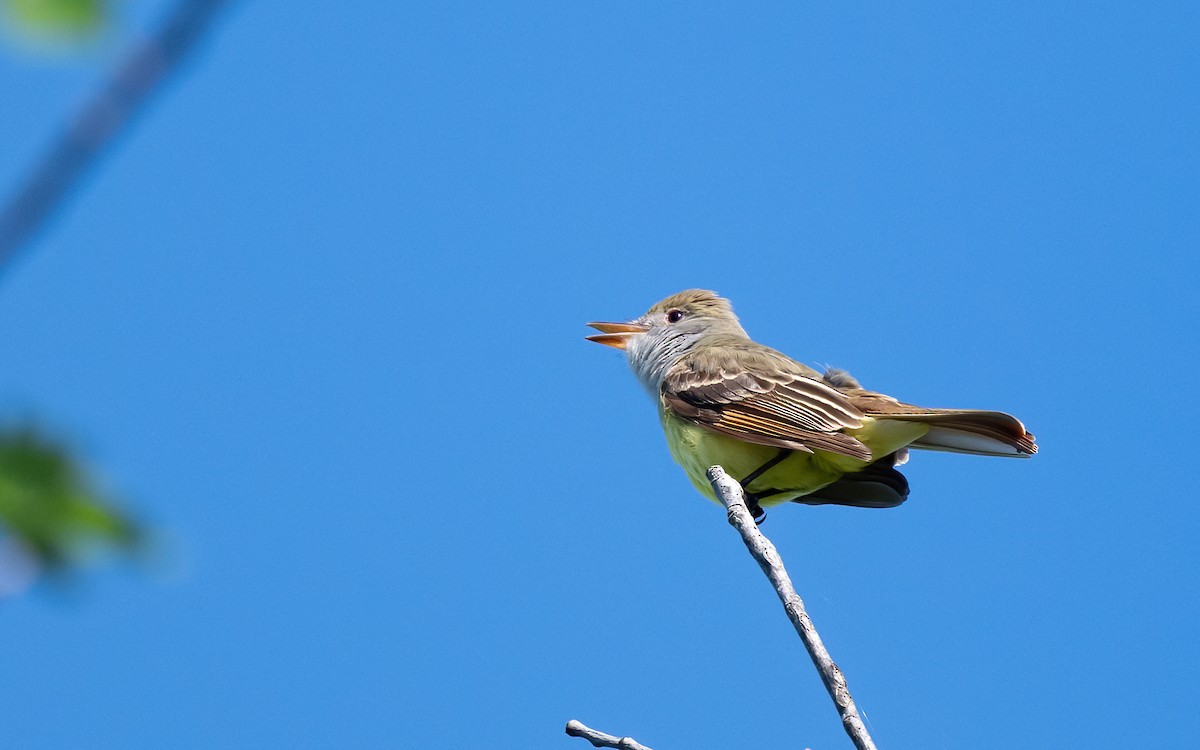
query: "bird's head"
657, 339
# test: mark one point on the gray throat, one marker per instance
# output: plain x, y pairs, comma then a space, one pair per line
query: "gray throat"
650, 359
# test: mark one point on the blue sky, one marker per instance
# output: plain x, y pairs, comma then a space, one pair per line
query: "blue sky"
320, 314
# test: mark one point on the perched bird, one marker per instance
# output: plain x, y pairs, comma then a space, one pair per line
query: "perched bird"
788, 432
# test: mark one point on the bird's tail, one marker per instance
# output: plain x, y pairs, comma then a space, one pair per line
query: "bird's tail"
983, 433
877, 485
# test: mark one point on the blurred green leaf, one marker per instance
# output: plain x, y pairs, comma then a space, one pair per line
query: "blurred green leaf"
58, 17
52, 508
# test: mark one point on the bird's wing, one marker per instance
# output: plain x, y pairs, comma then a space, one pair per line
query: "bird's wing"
755, 394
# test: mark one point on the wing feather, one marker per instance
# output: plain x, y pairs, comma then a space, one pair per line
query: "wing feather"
758, 395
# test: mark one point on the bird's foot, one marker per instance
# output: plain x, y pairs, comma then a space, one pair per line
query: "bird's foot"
755, 509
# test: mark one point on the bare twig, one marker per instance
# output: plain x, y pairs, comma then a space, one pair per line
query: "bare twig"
104, 117
731, 496
600, 739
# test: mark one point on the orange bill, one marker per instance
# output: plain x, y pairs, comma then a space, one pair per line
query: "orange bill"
616, 335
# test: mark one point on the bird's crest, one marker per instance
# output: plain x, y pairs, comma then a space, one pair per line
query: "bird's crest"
697, 302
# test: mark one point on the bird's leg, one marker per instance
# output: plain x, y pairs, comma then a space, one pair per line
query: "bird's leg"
756, 510
773, 462
752, 499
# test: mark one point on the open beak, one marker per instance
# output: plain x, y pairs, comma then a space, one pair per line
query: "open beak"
616, 335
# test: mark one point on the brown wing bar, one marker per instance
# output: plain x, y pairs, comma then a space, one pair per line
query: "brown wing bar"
755, 394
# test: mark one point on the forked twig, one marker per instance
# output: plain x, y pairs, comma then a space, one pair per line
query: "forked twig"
729, 492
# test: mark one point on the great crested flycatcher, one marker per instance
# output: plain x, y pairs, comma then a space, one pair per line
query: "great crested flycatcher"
788, 432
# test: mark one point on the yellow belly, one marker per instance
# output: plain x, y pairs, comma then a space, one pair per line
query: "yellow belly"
696, 449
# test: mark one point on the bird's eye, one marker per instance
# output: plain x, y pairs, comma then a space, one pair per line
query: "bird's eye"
674, 316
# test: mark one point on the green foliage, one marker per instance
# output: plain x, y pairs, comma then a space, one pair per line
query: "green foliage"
52, 508
58, 17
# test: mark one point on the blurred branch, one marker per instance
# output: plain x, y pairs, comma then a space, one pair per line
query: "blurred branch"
600, 739
729, 492
100, 121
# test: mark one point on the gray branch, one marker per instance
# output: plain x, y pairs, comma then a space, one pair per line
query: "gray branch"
731, 496
600, 739
100, 121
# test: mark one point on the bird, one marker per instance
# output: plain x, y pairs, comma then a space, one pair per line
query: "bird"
787, 432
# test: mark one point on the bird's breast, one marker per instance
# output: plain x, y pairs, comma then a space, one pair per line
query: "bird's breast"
696, 449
